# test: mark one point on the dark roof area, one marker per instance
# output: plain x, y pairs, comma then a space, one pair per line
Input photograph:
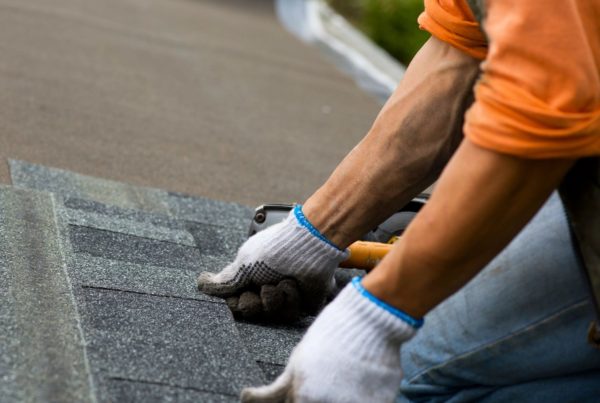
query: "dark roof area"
99, 301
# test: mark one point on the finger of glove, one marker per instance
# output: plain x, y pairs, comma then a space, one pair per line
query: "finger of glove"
246, 306
272, 298
313, 299
289, 299
225, 283
293, 297
291, 289
277, 392
250, 305
281, 302
232, 304
275, 303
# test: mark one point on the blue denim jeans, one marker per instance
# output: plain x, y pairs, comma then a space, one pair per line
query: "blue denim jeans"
515, 333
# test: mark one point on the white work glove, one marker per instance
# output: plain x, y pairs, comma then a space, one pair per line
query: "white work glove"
351, 353
278, 272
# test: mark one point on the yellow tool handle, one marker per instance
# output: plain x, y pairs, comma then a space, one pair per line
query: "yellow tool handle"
365, 255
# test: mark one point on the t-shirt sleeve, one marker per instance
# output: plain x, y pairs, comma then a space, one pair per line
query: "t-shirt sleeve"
453, 22
539, 92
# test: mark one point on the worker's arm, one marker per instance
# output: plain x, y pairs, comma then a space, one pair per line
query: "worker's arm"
481, 202
350, 353
410, 142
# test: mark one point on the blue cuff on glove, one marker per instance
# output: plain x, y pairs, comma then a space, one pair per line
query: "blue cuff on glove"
416, 323
302, 220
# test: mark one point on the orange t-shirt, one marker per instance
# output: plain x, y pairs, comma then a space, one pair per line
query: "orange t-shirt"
539, 92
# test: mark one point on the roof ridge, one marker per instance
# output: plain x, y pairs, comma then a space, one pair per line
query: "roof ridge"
46, 353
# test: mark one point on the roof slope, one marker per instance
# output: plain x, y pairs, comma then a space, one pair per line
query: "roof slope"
99, 300
209, 97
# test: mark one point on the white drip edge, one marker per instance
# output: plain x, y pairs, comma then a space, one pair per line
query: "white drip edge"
314, 22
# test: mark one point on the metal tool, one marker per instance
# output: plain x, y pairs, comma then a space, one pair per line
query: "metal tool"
364, 254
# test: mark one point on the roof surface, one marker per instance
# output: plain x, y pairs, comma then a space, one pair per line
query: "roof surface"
99, 298
206, 97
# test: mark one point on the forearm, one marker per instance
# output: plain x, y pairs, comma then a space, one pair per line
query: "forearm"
410, 142
481, 202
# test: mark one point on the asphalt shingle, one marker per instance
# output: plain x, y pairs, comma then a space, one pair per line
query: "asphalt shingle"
105, 273
74, 204
150, 335
43, 358
71, 184
111, 88
130, 227
134, 249
183, 343
217, 243
178, 205
217, 240
198, 209
271, 371
9, 342
122, 390
271, 344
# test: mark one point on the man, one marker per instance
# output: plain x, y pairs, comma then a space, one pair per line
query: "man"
517, 331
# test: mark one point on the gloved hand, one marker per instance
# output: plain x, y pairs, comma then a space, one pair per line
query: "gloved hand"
280, 303
351, 353
279, 271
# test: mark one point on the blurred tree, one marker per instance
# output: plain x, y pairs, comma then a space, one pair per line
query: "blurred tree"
392, 24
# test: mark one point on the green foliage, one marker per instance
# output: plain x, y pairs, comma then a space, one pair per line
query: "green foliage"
392, 24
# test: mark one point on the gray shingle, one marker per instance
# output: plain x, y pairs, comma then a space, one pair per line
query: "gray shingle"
130, 227
115, 212
141, 278
214, 252
71, 184
151, 335
272, 344
122, 390
129, 248
192, 344
217, 244
198, 209
271, 371
43, 358
9, 342
219, 241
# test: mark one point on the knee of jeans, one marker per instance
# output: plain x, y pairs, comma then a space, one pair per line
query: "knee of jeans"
424, 390
424, 380
433, 371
